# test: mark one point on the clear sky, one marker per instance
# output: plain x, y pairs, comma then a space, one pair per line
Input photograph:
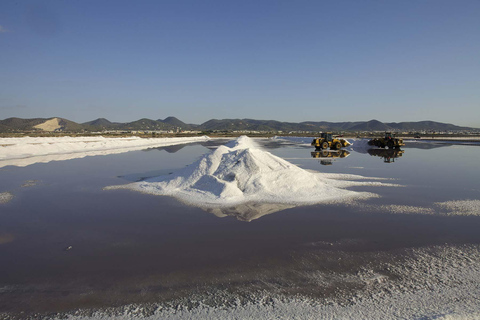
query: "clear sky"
281, 60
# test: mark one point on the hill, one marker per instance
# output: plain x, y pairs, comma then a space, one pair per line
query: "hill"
39, 124
372, 125
100, 123
173, 123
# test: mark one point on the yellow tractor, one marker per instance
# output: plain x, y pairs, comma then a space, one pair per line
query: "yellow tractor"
327, 140
389, 141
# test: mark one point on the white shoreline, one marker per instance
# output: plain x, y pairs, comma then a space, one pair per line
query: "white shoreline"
22, 152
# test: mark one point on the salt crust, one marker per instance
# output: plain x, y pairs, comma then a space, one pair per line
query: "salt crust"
28, 150
448, 208
438, 283
461, 207
5, 197
240, 172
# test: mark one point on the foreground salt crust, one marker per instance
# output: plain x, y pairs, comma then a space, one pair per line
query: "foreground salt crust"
28, 150
448, 208
5, 197
240, 172
434, 283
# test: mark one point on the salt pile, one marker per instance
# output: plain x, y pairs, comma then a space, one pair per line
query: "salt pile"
240, 172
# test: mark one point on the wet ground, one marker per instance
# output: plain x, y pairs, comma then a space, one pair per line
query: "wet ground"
65, 243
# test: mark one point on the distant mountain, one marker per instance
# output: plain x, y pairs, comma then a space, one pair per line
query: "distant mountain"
101, 123
175, 122
249, 124
372, 125
431, 125
21, 124
145, 124
39, 124
172, 123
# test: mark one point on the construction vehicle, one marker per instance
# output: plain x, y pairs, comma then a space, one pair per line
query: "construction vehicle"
327, 140
388, 141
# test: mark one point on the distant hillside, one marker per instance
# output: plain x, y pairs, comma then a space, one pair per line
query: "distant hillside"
175, 122
431, 125
101, 123
21, 124
249, 124
39, 124
172, 123
145, 124
372, 125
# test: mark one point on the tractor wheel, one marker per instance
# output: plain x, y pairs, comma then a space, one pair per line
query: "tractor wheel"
325, 145
338, 146
390, 144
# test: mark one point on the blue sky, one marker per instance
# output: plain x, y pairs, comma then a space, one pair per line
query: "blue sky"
282, 60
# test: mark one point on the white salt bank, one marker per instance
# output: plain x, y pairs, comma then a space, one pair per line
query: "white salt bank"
29, 150
241, 172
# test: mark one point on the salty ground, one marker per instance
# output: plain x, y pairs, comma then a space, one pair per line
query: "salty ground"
242, 230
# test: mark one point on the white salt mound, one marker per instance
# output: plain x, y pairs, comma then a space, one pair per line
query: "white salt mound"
241, 172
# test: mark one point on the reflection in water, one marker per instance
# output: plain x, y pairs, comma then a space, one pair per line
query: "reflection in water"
326, 157
426, 145
169, 149
388, 155
141, 176
6, 238
248, 211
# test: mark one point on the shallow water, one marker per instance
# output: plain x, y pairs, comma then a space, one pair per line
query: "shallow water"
66, 243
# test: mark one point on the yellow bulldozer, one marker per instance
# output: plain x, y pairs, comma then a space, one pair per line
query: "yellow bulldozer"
327, 140
389, 140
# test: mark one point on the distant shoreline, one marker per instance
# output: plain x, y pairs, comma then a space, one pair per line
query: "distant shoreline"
429, 137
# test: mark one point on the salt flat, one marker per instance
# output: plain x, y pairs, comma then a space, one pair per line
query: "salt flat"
394, 241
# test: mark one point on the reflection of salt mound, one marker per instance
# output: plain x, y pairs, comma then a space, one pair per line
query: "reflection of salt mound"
359, 145
249, 211
239, 172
